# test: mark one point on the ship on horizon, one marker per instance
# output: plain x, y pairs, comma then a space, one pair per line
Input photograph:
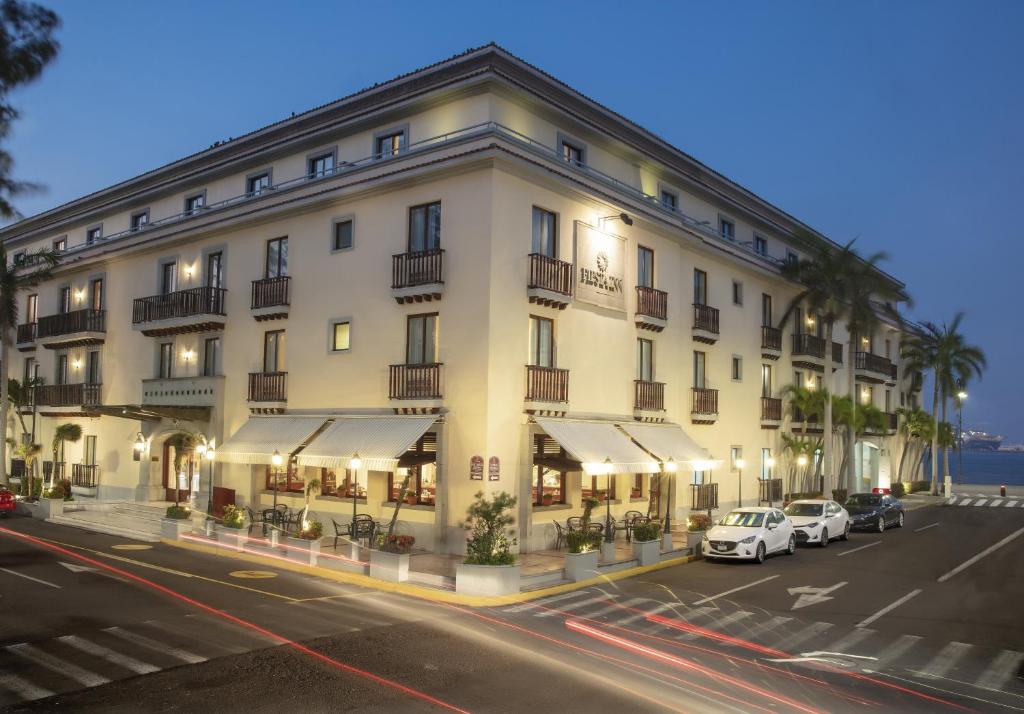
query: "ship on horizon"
980, 441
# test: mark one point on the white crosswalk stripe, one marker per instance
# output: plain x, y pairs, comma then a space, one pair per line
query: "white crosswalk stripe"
22, 687
143, 641
766, 627
854, 638
623, 607
897, 649
945, 661
983, 500
1010, 504
44, 659
546, 601
129, 663
572, 606
642, 615
1006, 664
798, 638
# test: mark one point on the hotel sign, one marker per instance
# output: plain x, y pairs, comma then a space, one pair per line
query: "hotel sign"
600, 268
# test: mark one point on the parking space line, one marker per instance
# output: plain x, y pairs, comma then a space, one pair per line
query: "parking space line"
735, 590
888, 608
29, 577
988, 551
924, 528
854, 550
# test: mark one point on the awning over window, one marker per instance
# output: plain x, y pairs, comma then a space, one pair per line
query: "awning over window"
592, 442
258, 438
379, 441
667, 441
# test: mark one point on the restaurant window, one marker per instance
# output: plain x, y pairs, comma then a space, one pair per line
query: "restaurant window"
766, 470
31, 308
766, 380
389, 145
257, 184
215, 270
421, 339
599, 486
320, 165
636, 490
545, 233
341, 483
698, 478
766, 310
165, 367
92, 368
542, 342
760, 245
168, 277
645, 360
699, 374
700, 287
342, 239
273, 351
425, 227
341, 336
422, 485
139, 220
669, 200
644, 267
288, 479
548, 486
64, 300
60, 375
20, 257
96, 294
737, 368
93, 234
727, 229
211, 356
196, 203
737, 292
60, 244
277, 258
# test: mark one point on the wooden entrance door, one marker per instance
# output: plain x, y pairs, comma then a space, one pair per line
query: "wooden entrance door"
171, 480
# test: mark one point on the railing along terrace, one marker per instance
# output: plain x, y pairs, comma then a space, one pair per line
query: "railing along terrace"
809, 345
418, 268
705, 401
415, 381
771, 409
85, 475
770, 490
548, 273
182, 303
651, 302
27, 332
771, 338
67, 395
873, 363
68, 323
704, 496
546, 384
649, 396
270, 292
705, 318
268, 386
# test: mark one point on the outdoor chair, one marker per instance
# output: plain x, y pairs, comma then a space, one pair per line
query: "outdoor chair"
254, 518
627, 523
559, 535
596, 528
575, 523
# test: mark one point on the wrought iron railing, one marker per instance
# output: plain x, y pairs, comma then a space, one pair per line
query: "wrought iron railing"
183, 303
68, 323
67, 395
808, 345
546, 384
770, 490
27, 333
704, 496
771, 338
649, 396
651, 302
873, 363
548, 273
415, 381
705, 318
268, 386
771, 409
420, 268
86, 475
271, 292
705, 401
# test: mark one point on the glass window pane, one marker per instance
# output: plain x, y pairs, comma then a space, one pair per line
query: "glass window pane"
341, 336
417, 230
342, 235
414, 352
434, 226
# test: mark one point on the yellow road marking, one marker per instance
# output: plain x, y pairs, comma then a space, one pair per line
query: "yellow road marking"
131, 546
255, 574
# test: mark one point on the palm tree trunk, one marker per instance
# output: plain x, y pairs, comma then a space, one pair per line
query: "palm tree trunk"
935, 438
903, 457
851, 436
945, 446
828, 481
5, 340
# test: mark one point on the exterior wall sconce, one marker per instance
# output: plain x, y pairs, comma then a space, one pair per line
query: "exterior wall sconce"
80, 296
188, 355
76, 363
189, 270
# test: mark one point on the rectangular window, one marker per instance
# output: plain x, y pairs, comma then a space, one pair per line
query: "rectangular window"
700, 287
545, 233
93, 234
737, 292
425, 227
766, 461
89, 452
389, 145
727, 229
421, 339
669, 200
791, 257
645, 360
194, 204
644, 267
888, 349
766, 380
573, 153
542, 342
287, 478
211, 356
351, 485
341, 336
31, 370
321, 165
422, 485
888, 400
273, 351
798, 320
760, 245
548, 486
139, 220
737, 368
64, 300
277, 258
92, 368
766, 310
255, 185
699, 374
168, 277
601, 487
798, 378
31, 308
20, 257
96, 294
215, 270
60, 245
342, 235
735, 455
166, 367
60, 375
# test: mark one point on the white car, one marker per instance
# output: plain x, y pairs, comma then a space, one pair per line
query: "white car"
819, 521
750, 533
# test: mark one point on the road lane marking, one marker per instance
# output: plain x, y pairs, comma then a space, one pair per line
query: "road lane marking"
546, 601
29, 577
23, 688
847, 552
1003, 667
853, 639
924, 528
735, 590
574, 606
898, 648
766, 626
988, 551
982, 502
812, 596
129, 663
945, 661
60, 666
1010, 503
888, 608
812, 630
143, 641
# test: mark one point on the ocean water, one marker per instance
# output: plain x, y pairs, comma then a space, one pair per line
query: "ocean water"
984, 467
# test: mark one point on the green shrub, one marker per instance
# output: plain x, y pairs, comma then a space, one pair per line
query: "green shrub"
37, 489
488, 542
66, 485
898, 489
916, 486
56, 492
839, 495
314, 530
698, 522
234, 517
179, 513
647, 531
582, 541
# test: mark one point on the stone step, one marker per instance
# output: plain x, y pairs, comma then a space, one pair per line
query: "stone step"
136, 529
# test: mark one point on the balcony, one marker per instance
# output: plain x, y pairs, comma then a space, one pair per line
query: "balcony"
705, 324
192, 310
268, 388
415, 381
648, 397
546, 384
872, 368
84, 478
417, 277
703, 496
651, 308
893, 421
704, 407
799, 425
26, 340
771, 342
182, 391
72, 329
771, 413
809, 351
550, 281
67, 399
271, 298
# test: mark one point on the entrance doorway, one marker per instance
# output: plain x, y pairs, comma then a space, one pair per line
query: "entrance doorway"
867, 455
174, 482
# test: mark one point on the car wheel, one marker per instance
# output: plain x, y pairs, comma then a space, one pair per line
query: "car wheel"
881, 523
791, 548
899, 521
846, 532
761, 552
824, 538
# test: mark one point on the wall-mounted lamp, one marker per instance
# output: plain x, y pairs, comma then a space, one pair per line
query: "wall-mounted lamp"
810, 320
801, 460
624, 217
80, 296
189, 270
770, 462
188, 355
76, 363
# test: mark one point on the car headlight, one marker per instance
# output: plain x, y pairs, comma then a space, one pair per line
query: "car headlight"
749, 539
815, 524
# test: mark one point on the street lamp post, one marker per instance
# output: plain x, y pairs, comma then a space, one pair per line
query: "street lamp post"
961, 396
353, 464
740, 463
201, 449
670, 468
609, 531
770, 463
276, 461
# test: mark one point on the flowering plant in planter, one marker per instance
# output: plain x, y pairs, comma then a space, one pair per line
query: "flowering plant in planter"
646, 531
547, 499
698, 522
395, 543
178, 512
312, 530
234, 517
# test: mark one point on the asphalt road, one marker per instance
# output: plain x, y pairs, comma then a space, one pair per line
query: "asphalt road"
203, 631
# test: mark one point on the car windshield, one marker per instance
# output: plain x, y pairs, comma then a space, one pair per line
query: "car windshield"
863, 499
804, 509
743, 518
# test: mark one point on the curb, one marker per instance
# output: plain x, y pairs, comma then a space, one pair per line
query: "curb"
418, 591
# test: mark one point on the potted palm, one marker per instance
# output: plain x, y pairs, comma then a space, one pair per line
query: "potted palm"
389, 558
696, 525
490, 565
646, 542
233, 534
584, 547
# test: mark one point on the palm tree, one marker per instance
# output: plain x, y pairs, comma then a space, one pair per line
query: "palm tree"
64, 432
183, 443
916, 427
30, 272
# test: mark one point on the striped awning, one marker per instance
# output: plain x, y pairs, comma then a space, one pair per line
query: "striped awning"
667, 441
379, 441
592, 443
258, 438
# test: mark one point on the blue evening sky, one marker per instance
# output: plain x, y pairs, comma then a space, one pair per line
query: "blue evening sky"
899, 123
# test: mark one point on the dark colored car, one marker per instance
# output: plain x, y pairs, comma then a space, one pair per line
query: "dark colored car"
875, 511
7, 502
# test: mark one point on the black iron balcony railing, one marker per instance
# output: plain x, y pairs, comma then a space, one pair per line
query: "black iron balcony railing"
771, 409
704, 496
421, 268
873, 363
808, 345
546, 384
771, 338
183, 303
651, 302
271, 292
705, 318
705, 401
69, 323
27, 333
268, 386
648, 396
548, 273
67, 395
415, 381
85, 475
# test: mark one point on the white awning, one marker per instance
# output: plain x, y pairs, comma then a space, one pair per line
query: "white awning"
592, 442
667, 441
379, 441
258, 438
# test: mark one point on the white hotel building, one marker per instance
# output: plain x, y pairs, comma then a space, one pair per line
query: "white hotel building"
436, 273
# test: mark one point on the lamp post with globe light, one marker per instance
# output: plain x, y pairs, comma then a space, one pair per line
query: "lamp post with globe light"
961, 397
740, 463
275, 461
669, 468
354, 464
770, 463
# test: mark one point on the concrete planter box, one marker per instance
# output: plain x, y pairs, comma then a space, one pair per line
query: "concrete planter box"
303, 550
487, 579
87, 491
233, 537
581, 566
393, 567
607, 552
693, 541
175, 528
648, 552
51, 507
